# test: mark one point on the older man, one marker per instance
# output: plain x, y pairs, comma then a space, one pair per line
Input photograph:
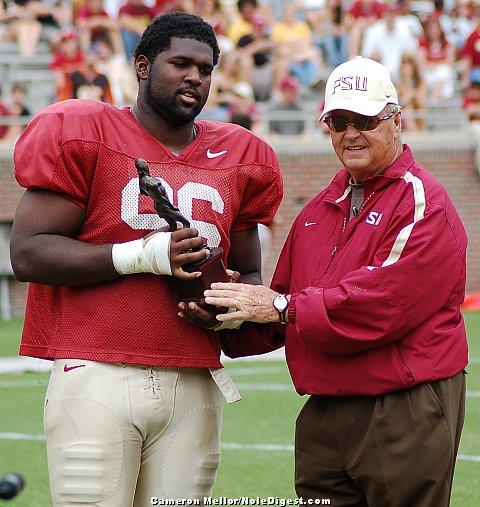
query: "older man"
366, 296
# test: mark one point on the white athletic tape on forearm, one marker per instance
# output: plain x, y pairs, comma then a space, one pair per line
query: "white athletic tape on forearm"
146, 255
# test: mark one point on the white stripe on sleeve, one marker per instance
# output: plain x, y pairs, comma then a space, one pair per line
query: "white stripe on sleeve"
404, 234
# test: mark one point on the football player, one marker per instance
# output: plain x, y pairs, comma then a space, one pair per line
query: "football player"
134, 404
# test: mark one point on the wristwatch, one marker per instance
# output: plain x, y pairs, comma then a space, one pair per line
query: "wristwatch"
280, 303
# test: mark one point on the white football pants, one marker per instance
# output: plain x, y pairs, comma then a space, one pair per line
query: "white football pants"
118, 435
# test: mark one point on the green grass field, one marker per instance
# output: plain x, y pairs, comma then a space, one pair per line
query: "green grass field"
264, 417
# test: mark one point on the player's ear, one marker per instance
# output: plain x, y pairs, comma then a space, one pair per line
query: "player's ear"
142, 66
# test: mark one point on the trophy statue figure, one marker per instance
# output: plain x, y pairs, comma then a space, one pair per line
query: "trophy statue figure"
212, 267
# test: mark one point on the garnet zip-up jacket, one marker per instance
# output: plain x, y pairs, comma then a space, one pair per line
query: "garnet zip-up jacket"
375, 300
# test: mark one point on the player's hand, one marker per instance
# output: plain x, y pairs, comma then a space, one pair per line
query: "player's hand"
181, 243
199, 314
203, 315
234, 275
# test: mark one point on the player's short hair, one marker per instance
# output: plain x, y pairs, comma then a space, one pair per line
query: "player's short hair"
158, 35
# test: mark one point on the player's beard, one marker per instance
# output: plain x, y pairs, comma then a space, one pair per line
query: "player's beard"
166, 106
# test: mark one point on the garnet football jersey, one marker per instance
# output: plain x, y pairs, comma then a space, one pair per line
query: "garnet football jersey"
226, 180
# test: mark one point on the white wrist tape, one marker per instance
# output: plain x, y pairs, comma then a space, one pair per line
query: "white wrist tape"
146, 255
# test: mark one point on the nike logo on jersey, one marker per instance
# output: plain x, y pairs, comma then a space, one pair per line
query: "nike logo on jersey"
310, 223
68, 368
211, 154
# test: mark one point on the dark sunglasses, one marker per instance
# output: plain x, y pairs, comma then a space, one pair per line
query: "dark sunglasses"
361, 122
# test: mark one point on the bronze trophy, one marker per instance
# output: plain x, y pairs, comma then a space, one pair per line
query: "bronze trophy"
212, 267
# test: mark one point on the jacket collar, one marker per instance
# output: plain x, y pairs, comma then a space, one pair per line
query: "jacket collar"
340, 187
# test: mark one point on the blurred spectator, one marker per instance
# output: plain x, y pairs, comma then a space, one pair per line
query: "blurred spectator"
94, 25
4, 111
133, 18
241, 24
459, 24
162, 6
119, 72
471, 59
412, 94
408, 19
387, 40
294, 43
212, 12
227, 74
362, 14
18, 108
87, 82
67, 58
257, 59
22, 27
437, 57
330, 32
19, 97
52, 15
242, 109
471, 102
308, 10
288, 89
112, 7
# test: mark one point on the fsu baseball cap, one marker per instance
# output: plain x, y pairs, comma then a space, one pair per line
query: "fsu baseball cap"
360, 85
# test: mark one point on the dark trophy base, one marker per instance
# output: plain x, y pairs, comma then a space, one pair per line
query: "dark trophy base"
212, 269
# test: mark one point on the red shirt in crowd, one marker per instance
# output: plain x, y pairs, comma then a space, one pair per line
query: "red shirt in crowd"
434, 51
85, 12
366, 9
137, 11
62, 61
472, 48
4, 111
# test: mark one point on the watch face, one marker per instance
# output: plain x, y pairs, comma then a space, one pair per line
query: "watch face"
280, 303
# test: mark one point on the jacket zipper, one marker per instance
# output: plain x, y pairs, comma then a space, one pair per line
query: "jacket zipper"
337, 246
339, 241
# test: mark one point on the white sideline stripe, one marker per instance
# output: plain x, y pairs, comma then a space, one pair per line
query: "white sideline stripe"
267, 370
265, 387
22, 364
404, 234
11, 384
20, 436
231, 446
474, 360
468, 457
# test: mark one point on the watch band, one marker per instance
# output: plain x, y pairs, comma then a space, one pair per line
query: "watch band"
283, 316
280, 303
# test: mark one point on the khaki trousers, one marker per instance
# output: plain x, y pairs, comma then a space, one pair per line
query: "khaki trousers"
118, 435
393, 450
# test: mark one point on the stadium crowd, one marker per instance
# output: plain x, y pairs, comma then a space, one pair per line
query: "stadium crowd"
275, 55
